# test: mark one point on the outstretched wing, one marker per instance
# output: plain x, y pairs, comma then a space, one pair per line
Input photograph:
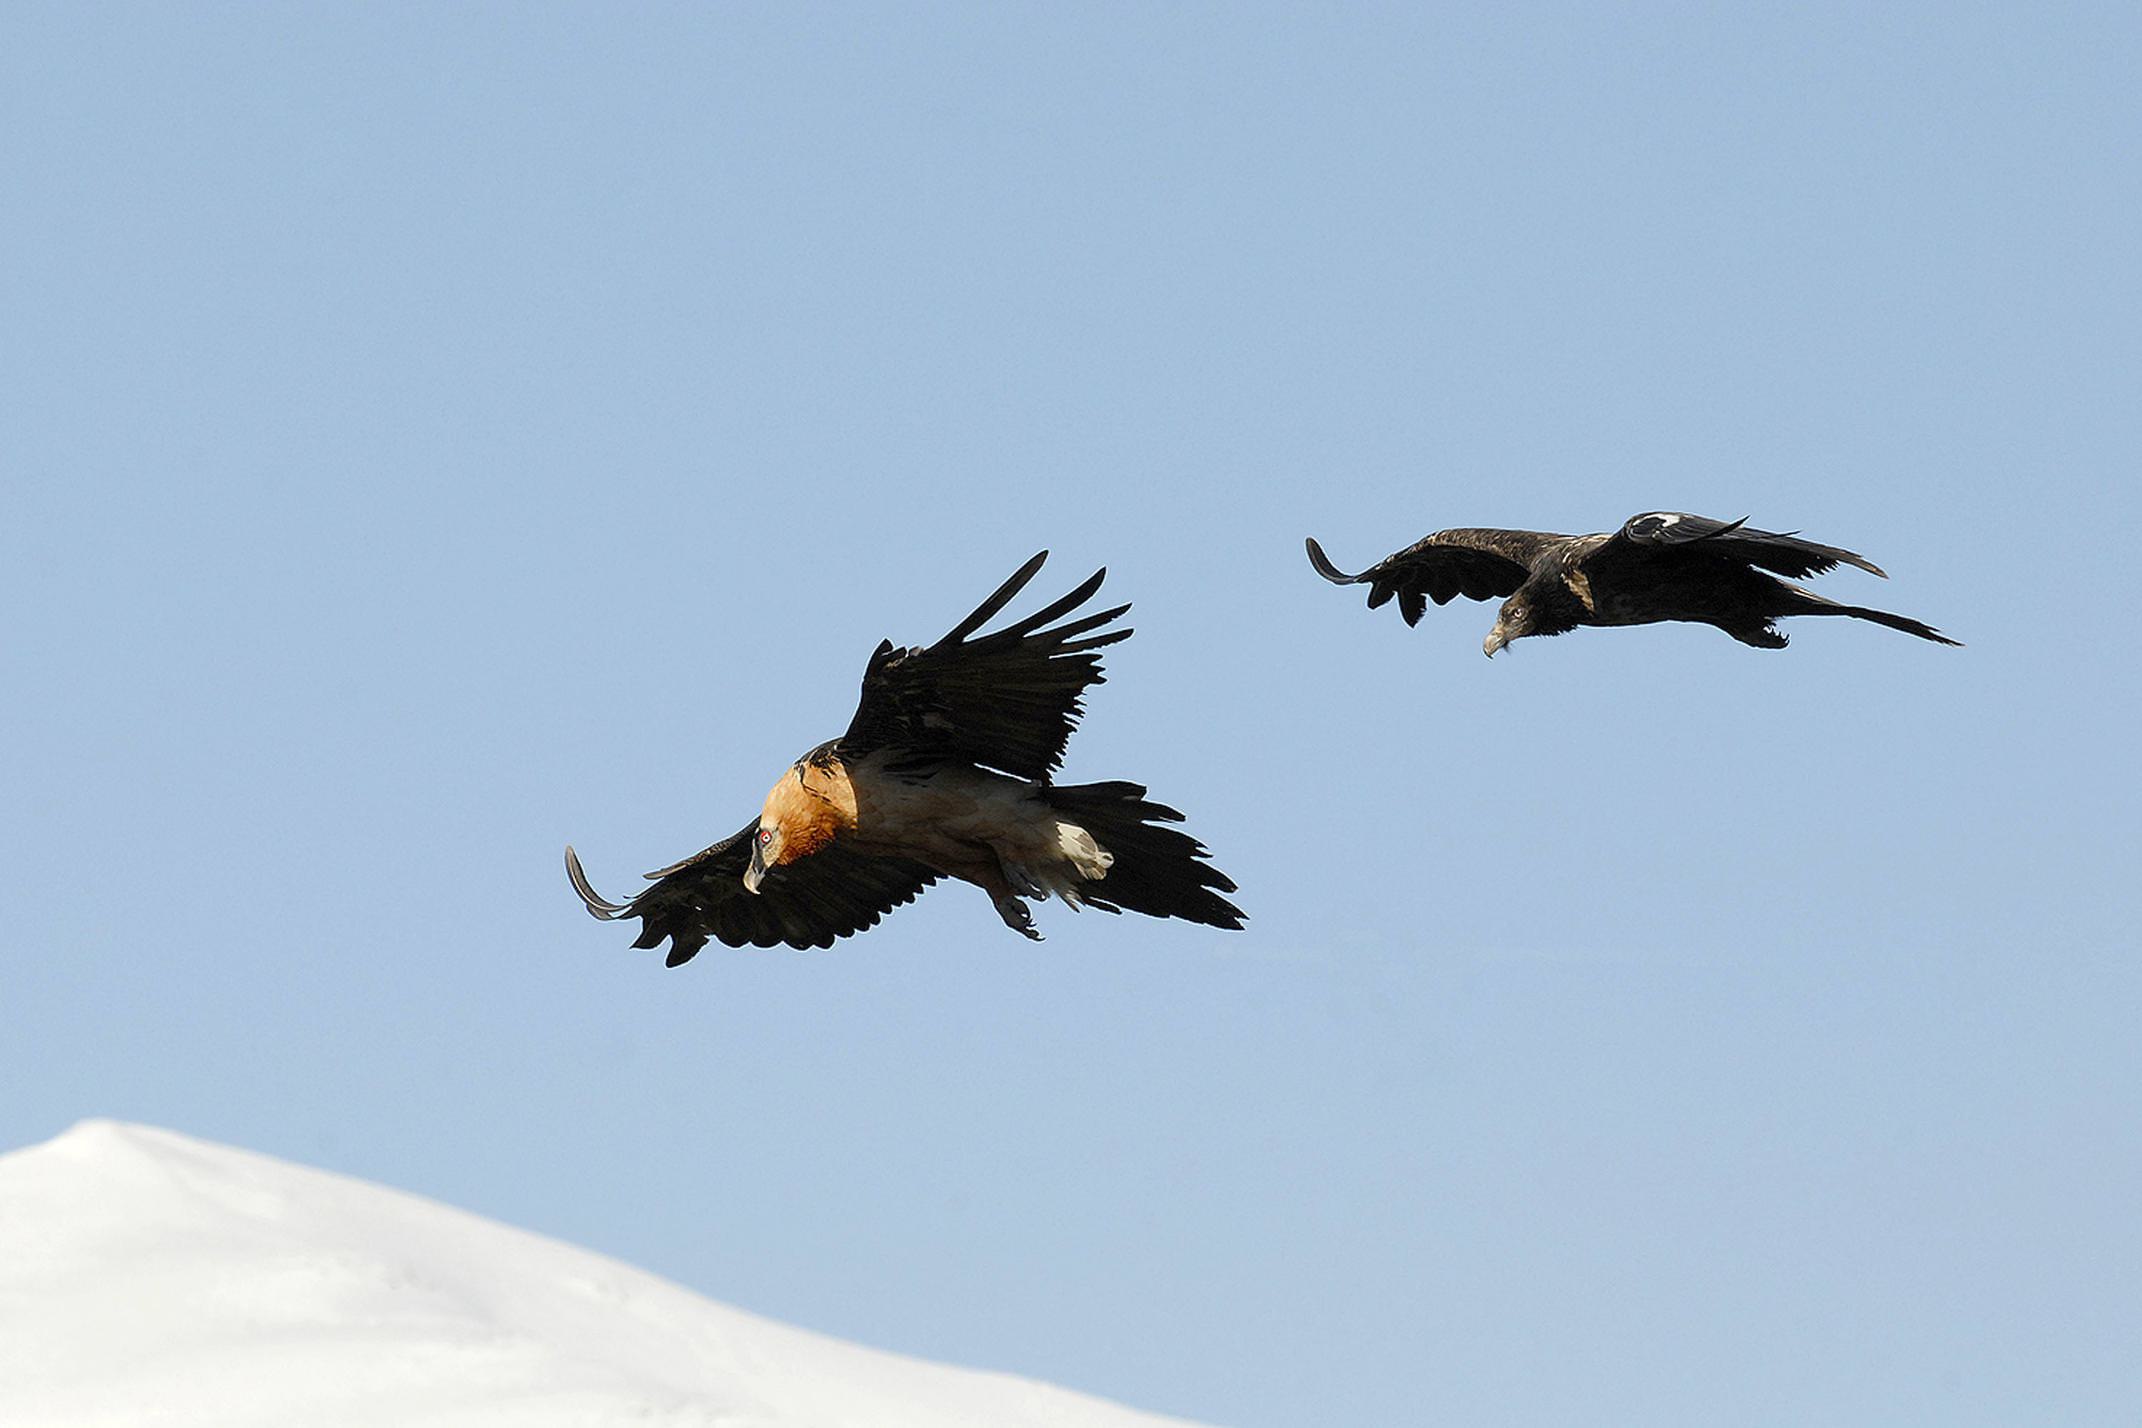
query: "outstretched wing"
809, 903
1478, 564
1780, 553
1008, 700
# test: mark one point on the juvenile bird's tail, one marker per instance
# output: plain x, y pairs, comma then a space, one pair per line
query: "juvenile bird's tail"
1810, 603
1895, 622
1158, 871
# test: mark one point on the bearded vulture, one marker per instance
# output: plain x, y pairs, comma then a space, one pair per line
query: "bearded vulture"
1662, 565
945, 771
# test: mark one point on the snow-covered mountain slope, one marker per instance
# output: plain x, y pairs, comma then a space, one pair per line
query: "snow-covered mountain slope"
151, 1279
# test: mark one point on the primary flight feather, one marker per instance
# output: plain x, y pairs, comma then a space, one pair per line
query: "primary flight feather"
945, 771
1661, 565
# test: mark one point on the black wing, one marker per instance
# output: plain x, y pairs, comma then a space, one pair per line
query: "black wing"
1478, 564
1008, 700
809, 903
1780, 553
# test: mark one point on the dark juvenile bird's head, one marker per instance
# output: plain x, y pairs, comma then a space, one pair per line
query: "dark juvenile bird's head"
801, 815
1513, 621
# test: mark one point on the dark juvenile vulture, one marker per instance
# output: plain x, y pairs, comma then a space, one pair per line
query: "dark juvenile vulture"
944, 772
1662, 565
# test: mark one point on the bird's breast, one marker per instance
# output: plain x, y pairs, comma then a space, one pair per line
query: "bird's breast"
907, 808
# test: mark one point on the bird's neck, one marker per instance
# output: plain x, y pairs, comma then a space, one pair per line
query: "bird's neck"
814, 803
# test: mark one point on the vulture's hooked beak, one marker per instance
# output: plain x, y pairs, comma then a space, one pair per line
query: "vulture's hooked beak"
1495, 640
756, 873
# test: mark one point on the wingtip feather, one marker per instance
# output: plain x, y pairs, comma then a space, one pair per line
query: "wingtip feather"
1325, 568
998, 600
1055, 609
598, 906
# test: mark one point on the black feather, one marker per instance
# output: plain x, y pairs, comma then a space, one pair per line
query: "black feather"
809, 903
1008, 700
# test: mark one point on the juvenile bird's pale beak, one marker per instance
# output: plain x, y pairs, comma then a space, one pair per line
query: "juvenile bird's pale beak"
756, 873
1493, 642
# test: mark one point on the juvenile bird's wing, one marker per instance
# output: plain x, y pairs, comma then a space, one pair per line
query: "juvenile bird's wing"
1008, 700
809, 903
1478, 564
1780, 553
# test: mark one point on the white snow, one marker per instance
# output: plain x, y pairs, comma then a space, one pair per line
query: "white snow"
151, 1280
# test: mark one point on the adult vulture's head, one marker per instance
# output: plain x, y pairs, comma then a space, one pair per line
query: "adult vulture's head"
806, 810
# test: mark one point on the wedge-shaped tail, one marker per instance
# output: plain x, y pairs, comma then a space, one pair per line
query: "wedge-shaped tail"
1158, 871
1816, 605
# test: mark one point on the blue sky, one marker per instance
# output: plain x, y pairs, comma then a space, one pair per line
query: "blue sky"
435, 434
